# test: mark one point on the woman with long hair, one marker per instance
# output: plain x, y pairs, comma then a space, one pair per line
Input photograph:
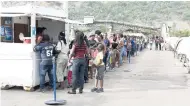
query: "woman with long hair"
77, 53
62, 59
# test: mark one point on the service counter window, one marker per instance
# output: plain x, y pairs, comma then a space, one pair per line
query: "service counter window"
6, 32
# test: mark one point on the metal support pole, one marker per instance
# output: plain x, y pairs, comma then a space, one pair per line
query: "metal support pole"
33, 39
66, 13
33, 29
72, 36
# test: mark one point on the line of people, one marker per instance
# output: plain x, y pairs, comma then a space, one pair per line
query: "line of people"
160, 44
85, 57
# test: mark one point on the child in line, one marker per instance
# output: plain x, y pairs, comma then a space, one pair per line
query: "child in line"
69, 67
100, 68
117, 58
112, 56
69, 77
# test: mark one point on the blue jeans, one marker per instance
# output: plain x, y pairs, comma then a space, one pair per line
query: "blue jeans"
78, 70
43, 70
122, 53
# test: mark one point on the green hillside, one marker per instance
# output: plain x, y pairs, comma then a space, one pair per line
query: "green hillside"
149, 12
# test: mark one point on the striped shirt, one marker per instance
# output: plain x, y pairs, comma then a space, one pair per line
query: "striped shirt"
80, 51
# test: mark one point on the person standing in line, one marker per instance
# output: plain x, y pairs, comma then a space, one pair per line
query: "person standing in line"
112, 56
133, 47
78, 52
157, 42
101, 41
46, 50
87, 61
117, 59
62, 59
107, 44
92, 49
151, 42
125, 48
137, 43
161, 43
70, 64
141, 43
99, 65
120, 42
129, 47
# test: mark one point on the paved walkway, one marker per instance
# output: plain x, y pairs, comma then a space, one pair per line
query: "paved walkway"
153, 78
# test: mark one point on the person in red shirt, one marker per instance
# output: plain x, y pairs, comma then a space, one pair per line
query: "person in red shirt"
77, 53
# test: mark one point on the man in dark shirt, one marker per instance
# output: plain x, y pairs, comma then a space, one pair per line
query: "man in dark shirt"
133, 47
46, 50
92, 41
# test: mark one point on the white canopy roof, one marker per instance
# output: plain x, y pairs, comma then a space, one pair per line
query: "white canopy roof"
28, 9
41, 11
12, 15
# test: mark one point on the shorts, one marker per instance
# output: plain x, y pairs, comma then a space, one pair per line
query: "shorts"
100, 73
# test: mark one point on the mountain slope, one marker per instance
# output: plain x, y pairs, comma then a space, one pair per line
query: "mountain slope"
149, 12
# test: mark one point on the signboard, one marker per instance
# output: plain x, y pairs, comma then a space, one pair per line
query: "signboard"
7, 21
8, 33
89, 19
2, 32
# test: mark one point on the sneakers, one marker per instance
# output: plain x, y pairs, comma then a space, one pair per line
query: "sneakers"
94, 89
41, 90
100, 90
97, 90
80, 91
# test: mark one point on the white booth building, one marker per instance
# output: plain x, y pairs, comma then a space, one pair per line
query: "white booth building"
19, 66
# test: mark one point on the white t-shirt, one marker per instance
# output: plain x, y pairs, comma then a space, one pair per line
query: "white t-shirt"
62, 47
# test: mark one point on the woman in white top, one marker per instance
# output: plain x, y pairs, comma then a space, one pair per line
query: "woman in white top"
62, 59
151, 42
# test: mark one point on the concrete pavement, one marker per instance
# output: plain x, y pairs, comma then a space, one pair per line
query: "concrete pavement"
153, 78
